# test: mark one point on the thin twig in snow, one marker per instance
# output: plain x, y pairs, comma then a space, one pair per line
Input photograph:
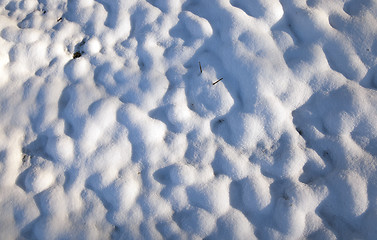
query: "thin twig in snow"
217, 81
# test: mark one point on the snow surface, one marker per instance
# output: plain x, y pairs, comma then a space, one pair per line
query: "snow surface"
111, 126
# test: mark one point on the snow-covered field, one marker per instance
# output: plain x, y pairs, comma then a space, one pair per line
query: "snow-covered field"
114, 124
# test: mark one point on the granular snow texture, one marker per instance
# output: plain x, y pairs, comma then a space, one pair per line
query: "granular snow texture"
188, 119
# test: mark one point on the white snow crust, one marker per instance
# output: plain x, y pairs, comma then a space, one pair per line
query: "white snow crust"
188, 119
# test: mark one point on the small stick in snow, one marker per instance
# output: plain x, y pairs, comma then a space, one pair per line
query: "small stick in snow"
60, 19
77, 55
217, 81
200, 66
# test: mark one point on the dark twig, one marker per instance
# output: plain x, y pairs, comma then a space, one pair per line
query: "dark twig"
217, 81
60, 19
77, 55
200, 66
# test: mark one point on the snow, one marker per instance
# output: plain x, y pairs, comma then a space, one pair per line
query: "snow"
172, 119
39, 179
